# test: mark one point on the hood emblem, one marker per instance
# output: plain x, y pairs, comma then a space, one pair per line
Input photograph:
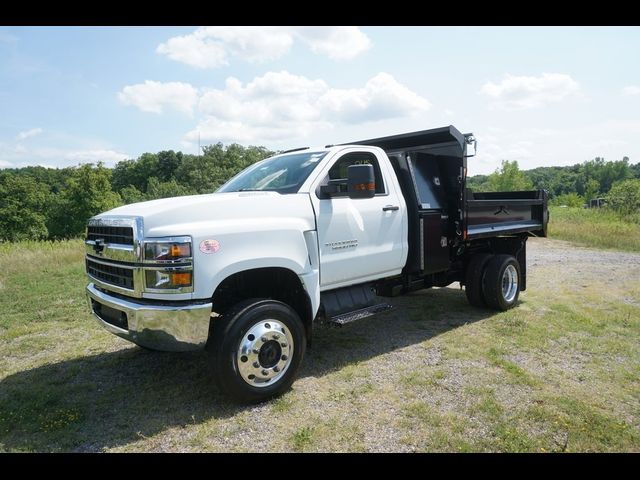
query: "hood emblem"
98, 246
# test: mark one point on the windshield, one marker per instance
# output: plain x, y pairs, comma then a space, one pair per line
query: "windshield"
282, 174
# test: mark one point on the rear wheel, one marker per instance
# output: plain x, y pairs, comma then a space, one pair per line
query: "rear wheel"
256, 349
501, 282
473, 279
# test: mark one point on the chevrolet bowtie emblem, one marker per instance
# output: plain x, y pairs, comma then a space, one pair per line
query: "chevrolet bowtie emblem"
98, 245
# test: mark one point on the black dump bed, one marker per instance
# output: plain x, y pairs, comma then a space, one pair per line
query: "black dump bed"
494, 213
431, 166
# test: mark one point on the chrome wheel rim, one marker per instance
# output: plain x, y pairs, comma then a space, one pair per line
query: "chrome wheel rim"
509, 283
265, 353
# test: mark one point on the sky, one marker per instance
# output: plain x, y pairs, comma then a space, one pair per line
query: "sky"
543, 96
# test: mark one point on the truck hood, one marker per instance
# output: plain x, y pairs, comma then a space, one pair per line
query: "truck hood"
177, 215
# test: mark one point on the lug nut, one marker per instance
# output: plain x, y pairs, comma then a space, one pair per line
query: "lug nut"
256, 351
265, 372
256, 365
275, 336
276, 369
283, 357
264, 339
283, 344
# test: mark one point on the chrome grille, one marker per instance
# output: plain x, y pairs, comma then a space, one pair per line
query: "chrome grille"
117, 276
118, 235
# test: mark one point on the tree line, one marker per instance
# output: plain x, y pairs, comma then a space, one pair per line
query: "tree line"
38, 203
46, 203
617, 181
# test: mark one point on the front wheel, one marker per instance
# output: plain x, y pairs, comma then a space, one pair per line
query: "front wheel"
501, 282
256, 349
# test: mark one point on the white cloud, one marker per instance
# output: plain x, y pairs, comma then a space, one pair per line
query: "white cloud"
337, 43
493, 149
211, 47
631, 90
522, 92
280, 105
154, 97
195, 50
16, 156
29, 133
381, 97
108, 157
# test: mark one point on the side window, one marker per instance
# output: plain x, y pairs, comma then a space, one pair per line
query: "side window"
339, 169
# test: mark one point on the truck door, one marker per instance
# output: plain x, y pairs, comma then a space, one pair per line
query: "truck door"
359, 239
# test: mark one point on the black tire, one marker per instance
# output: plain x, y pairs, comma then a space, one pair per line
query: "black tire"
224, 345
492, 283
473, 279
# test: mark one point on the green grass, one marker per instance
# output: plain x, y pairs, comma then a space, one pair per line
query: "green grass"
561, 372
302, 438
595, 227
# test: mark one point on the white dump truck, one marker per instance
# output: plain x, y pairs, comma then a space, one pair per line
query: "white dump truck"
309, 235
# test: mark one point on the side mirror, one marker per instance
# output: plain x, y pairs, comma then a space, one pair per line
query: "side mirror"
334, 188
361, 181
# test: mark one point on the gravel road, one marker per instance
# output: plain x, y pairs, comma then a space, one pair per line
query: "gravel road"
580, 265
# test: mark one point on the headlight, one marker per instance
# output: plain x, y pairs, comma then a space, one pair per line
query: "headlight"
165, 279
167, 251
168, 265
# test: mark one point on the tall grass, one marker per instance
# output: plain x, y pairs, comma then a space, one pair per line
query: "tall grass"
596, 227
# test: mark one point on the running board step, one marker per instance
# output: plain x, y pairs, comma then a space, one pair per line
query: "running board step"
361, 313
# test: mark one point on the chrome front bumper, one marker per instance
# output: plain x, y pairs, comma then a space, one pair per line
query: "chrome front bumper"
159, 327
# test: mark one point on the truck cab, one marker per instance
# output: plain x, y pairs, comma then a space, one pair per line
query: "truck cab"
307, 236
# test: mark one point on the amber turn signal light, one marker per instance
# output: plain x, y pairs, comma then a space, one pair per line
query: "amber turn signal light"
181, 279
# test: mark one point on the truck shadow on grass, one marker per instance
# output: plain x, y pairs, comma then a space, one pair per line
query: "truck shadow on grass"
102, 401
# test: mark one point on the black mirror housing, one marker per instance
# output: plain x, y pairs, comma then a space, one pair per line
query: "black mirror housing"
361, 181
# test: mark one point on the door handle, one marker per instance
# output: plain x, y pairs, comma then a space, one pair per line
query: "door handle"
393, 208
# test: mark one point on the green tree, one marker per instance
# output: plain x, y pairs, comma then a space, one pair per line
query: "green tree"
22, 208
131, 194
87, 193
158, 189
569, 199
198, 172
605, 173
509, 177
591, 189
168, 163
205, 173
478, 183
624, 196
135, 172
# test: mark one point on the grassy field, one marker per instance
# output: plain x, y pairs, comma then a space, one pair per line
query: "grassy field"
559, 373
595, 227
